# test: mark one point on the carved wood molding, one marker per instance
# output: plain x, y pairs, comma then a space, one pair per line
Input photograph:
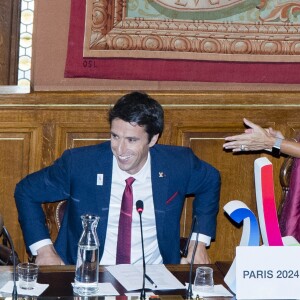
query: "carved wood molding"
110, 33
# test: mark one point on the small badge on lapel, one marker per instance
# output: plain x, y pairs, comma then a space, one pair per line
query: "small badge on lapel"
99, 179
161, 174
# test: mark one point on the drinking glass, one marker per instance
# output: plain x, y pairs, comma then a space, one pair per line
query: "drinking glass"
204, 280
27, 275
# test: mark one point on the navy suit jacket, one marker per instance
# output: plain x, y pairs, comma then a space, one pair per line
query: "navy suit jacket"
176, 172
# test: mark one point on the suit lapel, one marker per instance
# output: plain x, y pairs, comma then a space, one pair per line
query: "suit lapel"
160, 182
103, 165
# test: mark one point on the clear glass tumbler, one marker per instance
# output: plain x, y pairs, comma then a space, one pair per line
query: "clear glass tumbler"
204, 279
27, 275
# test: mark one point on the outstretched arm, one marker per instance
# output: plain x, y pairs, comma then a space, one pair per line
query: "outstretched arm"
257, 138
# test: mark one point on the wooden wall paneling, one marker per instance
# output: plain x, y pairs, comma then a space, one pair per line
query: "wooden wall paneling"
49, 145
81, 134
208, 146
19, 156
53, 122
237, 176
293, 130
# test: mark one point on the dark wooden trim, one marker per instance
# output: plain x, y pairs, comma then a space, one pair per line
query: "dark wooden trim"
10, 11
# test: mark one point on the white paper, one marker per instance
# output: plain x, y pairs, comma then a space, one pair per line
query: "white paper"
106, 288
36, 291
131, 277
218, 291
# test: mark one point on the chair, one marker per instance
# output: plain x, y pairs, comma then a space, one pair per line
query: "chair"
54, 214
59, 213
7, 253
284, 177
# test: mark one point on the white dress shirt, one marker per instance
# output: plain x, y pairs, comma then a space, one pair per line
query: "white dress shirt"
142, 190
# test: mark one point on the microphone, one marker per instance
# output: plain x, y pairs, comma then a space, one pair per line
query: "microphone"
189, 292
5, 231
140, 207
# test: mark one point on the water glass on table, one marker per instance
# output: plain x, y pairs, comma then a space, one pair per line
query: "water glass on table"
204, 280
27, 275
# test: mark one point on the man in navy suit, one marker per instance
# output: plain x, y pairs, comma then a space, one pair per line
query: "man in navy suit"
92, 180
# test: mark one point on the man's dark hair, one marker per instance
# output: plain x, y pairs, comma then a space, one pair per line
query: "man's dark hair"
139, 108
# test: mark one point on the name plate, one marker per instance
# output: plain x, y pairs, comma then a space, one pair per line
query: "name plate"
268, 272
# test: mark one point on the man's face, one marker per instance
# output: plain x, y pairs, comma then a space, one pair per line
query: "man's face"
130, 146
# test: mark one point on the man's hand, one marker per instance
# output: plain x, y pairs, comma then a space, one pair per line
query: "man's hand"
201, 256
48, 256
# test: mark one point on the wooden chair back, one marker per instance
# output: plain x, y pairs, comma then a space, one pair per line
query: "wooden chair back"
284, 177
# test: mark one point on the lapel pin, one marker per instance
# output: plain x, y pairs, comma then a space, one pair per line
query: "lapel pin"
161, 174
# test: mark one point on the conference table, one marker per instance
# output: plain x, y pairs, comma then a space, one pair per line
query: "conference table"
60, 278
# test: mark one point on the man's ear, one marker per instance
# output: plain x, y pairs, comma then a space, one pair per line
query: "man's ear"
154, 140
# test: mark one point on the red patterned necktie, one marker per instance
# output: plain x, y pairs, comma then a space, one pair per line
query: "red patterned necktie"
124, 234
